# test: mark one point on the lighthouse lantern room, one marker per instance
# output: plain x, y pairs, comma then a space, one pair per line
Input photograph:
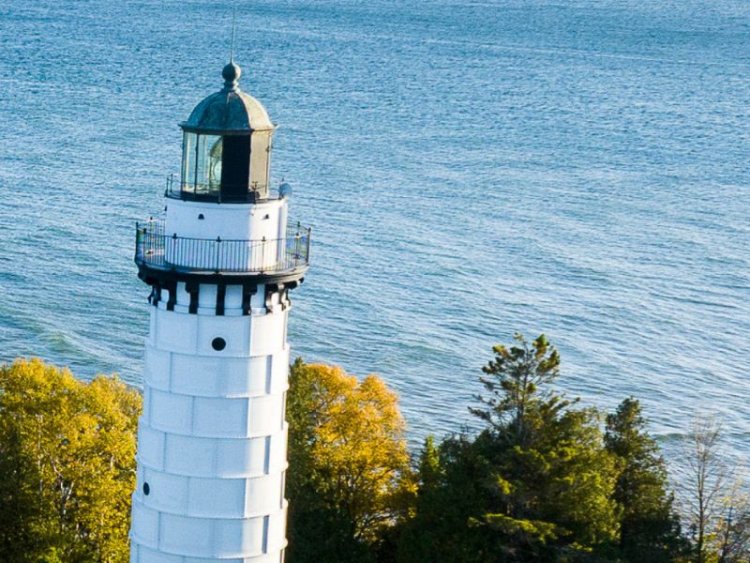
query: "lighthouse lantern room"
212, 438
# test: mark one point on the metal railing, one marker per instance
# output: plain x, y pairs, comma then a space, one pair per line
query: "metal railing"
156, 249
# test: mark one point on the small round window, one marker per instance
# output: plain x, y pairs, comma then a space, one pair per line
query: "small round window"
218, 344
146, 489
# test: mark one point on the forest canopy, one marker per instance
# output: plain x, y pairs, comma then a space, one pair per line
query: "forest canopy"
544, 478
67, 465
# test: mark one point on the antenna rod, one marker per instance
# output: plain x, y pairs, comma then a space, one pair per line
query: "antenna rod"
234, 26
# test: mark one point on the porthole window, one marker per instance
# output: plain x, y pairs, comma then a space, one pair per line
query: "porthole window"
146, 489
218, 344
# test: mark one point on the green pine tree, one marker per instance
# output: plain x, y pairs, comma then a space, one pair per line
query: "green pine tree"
650, 528
535, 485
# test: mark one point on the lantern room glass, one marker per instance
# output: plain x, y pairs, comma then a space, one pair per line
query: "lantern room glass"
201, 164
225, 167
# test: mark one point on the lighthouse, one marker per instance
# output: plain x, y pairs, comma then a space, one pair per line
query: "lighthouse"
220, 262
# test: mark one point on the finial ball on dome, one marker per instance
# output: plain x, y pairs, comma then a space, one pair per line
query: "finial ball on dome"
231, 75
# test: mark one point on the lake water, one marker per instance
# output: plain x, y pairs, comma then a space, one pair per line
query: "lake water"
470, 169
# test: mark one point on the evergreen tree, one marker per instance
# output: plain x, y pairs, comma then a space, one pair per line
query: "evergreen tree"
515, 401
535, 485
453, 483
551, 473
429, 470
650, 529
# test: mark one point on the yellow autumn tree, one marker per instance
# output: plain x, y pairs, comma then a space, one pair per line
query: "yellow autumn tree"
349, 474
67, 465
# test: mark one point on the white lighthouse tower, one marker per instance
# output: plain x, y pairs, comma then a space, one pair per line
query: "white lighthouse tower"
212, 439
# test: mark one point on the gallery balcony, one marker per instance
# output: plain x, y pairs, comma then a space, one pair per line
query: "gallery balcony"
158, 254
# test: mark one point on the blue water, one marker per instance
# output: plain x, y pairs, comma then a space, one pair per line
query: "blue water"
469, 168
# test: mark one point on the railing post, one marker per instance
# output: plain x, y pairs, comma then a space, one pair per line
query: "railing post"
263, 254
159, 241
297, 243
218, 254
307, 250
137, 239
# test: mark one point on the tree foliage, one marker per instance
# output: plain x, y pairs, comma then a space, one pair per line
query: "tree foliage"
517, 395
730, 540
716, 507
67, 465
349, 474
541, 482
536, 484
649, 525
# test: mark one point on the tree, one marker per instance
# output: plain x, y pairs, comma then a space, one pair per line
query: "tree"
707, 479
67, 465
649, 525
453, 481
717, 509
349, 475
554, 476
732, 537
429, 469
515, 399
535, 485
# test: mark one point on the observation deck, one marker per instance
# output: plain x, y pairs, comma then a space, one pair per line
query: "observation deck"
161, 256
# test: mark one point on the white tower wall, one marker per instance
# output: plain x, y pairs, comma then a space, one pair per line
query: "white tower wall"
208, 220
212, 436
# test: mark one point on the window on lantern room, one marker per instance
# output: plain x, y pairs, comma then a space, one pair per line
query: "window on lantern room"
201, 164
188, 162
208, 153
